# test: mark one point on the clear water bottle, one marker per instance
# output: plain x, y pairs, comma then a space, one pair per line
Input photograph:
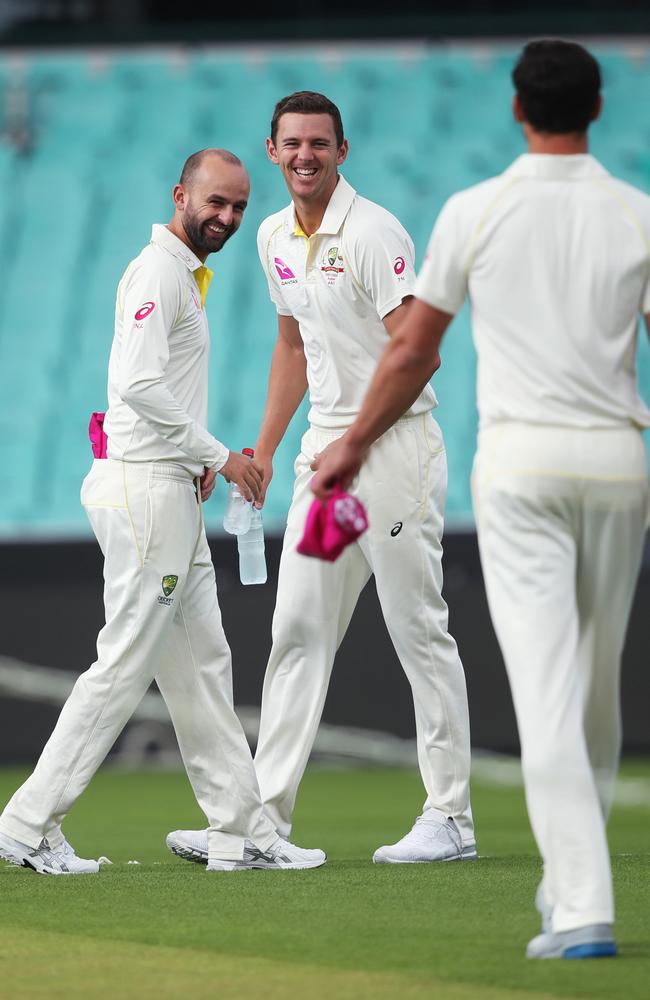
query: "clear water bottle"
252, 562
237, 518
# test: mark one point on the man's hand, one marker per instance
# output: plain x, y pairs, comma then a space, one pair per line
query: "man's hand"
245, 472
265, 463
336, 465
208, 480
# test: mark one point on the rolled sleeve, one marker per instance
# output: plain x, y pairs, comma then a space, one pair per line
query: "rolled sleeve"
385, 265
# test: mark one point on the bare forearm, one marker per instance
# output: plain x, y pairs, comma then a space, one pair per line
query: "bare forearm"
287, 386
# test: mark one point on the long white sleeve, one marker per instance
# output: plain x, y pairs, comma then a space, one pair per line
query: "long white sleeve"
158, 372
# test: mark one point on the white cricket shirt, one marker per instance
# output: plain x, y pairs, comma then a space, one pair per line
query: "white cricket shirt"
158, 368
339, 284
555, 256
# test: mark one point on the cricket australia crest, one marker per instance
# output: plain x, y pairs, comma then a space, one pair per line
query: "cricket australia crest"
168, 584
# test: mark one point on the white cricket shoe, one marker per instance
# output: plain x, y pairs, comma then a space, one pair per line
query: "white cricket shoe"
281, 855
192, 845
434, 837
45, 861
595, 941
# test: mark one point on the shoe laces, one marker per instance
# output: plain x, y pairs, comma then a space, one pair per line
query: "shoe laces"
430, 821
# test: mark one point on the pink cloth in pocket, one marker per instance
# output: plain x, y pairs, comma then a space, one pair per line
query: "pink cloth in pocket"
97, 436
332, 525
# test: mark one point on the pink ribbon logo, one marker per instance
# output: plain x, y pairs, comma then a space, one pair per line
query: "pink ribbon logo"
284, 272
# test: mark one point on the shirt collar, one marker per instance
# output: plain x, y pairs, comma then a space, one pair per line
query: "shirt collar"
553, 167
335, 213
164, 237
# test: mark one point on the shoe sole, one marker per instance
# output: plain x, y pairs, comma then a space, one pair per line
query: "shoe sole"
473, 856
593, 949
599, 949
240, 866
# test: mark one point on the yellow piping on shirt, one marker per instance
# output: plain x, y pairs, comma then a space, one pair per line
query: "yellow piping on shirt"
271, 271
480, 225
631, 214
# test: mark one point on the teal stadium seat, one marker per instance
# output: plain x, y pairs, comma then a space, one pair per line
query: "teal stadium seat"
110, 132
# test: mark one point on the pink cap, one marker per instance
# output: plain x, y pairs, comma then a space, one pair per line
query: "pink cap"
332, 525
97, 435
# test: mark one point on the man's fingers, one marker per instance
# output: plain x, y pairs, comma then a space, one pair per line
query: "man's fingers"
329, 486
267, 476
207, 481
259, 503
321, 487
255, 486
251, 488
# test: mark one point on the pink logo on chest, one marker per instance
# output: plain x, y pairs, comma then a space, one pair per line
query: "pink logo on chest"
284, 272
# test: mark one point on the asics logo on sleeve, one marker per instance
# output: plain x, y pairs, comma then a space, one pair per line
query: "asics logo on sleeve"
395, 530
145, 310
399, 265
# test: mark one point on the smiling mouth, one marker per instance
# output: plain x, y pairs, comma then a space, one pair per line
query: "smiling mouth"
305, 173
215, 229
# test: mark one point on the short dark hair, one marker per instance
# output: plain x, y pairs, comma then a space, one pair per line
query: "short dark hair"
558, 84
194, 161
307, 102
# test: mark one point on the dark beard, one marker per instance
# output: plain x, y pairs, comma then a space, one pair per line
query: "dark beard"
200, 239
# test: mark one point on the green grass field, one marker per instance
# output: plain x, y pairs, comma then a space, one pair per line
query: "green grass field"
166, 929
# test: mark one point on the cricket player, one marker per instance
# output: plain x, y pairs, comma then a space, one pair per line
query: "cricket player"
144, 504
555, 256
340, 272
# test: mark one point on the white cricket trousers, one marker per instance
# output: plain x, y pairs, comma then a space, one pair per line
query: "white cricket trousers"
162, 621
561, 516
403, 485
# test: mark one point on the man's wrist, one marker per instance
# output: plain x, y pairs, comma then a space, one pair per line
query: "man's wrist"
264, 450
356, 439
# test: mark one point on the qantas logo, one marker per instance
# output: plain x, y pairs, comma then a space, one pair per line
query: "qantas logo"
284, 271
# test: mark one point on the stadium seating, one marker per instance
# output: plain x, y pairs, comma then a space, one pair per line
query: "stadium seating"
107, 132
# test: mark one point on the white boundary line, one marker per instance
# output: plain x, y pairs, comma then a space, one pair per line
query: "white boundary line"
345, 745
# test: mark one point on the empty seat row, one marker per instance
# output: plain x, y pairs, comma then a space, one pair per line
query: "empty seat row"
91, 144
